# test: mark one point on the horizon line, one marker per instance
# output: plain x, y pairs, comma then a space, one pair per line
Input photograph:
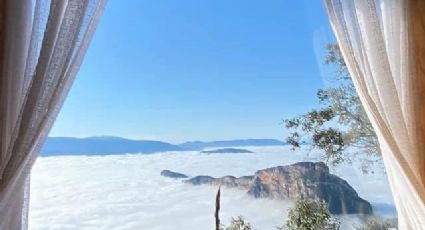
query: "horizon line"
189, 141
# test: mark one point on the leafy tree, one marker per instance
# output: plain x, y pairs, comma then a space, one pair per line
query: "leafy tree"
308, 215
339, 123
239, 224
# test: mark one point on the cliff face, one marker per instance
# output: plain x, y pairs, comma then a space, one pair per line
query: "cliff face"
303, 180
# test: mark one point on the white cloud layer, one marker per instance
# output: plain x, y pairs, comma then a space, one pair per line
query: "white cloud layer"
127, 192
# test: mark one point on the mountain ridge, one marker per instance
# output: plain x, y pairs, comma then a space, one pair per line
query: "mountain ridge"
199, 145
107, 145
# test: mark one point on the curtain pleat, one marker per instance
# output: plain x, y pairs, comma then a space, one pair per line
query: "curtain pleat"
42, 46
380, 45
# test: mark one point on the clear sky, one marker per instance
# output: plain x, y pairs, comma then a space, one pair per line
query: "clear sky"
178, 70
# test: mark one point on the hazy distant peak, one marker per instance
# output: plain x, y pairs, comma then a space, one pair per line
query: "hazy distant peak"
105, 138
199, 145
104, 145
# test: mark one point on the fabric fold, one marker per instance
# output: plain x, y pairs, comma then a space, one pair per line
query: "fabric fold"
380, 45
42, 46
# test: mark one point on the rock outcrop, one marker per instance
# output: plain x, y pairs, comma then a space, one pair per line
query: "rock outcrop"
174, 175
303, 180
227, 181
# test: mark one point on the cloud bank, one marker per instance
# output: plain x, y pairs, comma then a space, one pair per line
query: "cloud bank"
127, 192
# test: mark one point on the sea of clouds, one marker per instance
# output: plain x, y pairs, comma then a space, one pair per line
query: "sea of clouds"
127, 191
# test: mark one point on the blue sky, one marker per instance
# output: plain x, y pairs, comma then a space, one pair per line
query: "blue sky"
178, 70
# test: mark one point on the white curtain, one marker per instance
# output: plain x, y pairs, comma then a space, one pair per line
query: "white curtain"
42, 45
383, 42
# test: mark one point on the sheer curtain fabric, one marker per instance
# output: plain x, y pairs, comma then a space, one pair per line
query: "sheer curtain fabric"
42, 44
383, 42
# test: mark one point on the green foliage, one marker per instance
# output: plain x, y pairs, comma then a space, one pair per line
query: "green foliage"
340, 121
376, 223
308, 215
239, 224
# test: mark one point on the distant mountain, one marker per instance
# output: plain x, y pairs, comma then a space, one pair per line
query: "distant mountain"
226, 150
200, 145
102, 145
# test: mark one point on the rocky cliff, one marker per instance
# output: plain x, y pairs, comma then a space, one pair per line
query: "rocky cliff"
303, 180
